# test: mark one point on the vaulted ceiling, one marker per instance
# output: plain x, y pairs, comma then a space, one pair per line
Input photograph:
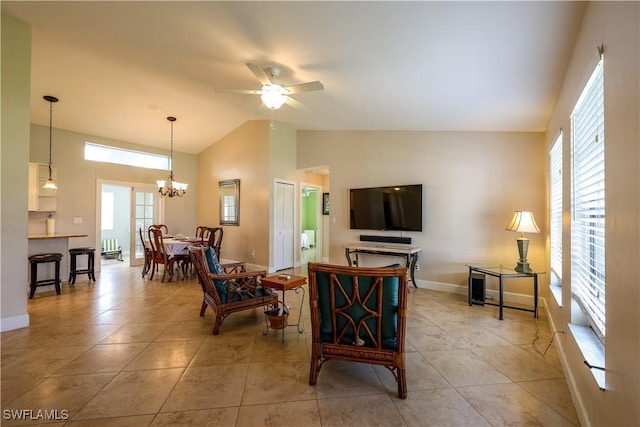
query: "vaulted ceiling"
120, 68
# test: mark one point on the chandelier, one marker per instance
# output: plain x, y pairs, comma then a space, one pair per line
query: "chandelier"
50, 183
171, 187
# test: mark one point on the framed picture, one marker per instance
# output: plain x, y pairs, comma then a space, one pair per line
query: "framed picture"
229, 202
325, 203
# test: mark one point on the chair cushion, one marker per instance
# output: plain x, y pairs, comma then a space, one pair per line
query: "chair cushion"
389, 309
212, 261
216, 268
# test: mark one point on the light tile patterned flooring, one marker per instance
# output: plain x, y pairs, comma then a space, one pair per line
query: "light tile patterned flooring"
127, 351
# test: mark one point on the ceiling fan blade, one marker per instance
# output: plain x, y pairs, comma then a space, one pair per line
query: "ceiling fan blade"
296, 104
262, 109
259, 73
305, 87
243, 91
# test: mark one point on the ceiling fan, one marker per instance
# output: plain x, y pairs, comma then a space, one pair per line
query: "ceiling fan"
273, 94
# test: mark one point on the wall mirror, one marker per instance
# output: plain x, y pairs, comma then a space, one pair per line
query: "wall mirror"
229, 202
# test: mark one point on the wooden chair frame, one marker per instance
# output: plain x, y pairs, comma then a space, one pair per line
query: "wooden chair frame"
215, 239
237, 282
160, 254
369, 303
162, 227
148, 253
203, 233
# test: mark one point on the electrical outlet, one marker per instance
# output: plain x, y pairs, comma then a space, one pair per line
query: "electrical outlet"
417, 267
253, 253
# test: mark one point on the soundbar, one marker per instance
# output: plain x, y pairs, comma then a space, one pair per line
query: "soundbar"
385, 239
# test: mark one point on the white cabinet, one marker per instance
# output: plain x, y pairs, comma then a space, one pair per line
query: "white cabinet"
41, 199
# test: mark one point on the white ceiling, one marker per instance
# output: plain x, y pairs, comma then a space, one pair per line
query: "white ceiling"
120, 68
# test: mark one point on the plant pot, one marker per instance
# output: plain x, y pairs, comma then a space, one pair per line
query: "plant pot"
276, 320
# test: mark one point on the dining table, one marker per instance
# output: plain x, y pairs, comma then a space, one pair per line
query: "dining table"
179, 246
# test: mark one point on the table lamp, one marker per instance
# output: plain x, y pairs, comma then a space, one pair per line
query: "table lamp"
523, 222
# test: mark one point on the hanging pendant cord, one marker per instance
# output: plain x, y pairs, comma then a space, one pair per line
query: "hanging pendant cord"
171, 157
50, 132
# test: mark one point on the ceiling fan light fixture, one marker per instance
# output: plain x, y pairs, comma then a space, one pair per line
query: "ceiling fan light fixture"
274, 95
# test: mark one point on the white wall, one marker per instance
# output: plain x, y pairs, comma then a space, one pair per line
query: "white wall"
472, 182
616, 26
14, 167
77, 180
257, 152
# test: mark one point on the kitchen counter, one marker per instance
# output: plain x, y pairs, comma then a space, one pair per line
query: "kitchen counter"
40, 243
54, 236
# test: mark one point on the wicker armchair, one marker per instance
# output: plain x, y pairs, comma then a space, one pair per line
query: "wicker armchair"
358, 315
231, 289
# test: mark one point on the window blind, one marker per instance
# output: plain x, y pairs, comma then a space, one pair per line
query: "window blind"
555, 210
588, 202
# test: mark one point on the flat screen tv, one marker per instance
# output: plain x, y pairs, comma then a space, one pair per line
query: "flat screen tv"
386, 208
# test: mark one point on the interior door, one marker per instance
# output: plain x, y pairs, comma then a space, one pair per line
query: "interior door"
284, 233
144, 211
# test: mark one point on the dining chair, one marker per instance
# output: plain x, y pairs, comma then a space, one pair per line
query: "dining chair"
148, 254
203, 233
160, 254
215, 239
162, 227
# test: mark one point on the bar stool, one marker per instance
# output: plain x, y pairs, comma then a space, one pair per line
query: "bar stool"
36, 259
73, 270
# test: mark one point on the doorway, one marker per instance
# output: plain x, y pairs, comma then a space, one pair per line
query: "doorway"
122, 209
310, 223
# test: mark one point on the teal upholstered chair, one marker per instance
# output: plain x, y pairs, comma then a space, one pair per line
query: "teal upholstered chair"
359, 315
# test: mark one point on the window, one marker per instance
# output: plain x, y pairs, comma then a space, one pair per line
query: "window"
588, 202
121, 156
555, 210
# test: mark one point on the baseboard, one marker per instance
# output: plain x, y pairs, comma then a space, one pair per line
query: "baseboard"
14, 322
490, 294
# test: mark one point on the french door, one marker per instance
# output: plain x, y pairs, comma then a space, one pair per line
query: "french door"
144, 212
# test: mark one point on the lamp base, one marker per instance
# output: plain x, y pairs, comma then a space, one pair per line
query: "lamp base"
523, 248
523, 267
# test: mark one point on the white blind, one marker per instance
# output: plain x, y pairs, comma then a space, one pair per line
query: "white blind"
588, 202
555, 210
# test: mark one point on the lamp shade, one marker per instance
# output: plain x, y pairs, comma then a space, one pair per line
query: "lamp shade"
523, 222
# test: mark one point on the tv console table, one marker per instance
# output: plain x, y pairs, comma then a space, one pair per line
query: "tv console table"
410, 254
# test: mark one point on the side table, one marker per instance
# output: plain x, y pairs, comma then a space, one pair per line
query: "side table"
286, 282
502, 273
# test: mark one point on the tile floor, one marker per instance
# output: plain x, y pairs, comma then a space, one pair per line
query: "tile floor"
127, 351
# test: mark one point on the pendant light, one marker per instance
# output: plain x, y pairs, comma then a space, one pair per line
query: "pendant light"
170, 187
50, 183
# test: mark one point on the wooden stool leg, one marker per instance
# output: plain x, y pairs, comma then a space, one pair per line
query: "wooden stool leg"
72, 270
57, 283
34, 278
92, 274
